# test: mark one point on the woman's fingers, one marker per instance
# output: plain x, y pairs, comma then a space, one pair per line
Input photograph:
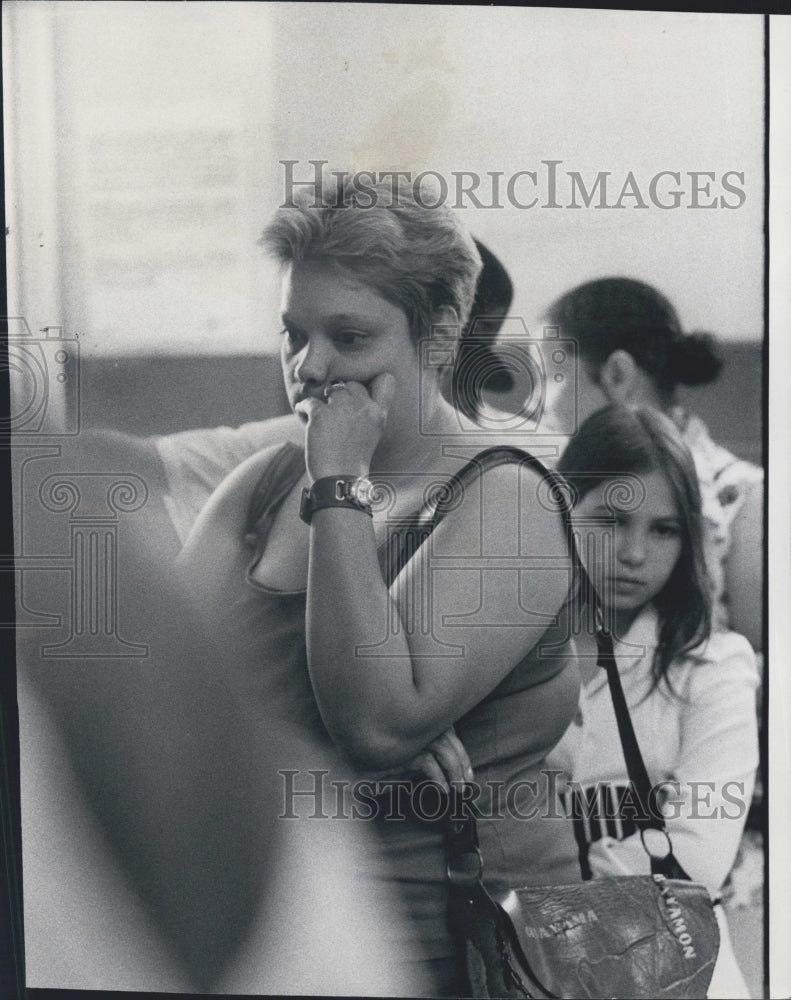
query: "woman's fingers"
307, 407
374, 399
444, 761
426, 765
449, 752
463, 756
343, 430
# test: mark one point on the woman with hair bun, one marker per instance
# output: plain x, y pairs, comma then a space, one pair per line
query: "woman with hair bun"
633, 350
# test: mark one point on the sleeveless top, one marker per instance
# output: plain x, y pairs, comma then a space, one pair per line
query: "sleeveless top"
524, 835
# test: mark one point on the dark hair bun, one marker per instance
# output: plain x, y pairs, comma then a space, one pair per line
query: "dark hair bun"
694, 359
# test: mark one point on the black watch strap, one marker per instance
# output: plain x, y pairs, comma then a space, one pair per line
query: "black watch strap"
331, 491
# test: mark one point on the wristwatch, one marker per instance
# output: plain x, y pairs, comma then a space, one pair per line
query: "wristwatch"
354, 492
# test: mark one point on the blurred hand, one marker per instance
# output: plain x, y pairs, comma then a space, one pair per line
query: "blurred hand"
344, 430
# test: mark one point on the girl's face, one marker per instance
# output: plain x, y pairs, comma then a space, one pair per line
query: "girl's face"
336, 327
629, 554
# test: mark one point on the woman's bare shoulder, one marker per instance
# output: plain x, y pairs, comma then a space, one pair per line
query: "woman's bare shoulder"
518, 497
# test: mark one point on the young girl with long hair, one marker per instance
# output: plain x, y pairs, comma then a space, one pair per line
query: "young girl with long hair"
690, 690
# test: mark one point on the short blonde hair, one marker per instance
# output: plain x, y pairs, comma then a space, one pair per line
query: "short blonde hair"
420, 258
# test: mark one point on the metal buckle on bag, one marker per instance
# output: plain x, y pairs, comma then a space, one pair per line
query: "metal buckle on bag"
648, 851
465, 869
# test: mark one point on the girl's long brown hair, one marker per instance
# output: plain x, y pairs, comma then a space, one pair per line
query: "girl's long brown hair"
618, 440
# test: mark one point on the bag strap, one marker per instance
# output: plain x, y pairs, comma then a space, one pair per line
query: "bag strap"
649, 815
464, 860
446, 495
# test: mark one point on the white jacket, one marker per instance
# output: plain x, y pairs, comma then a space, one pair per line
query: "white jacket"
705, 739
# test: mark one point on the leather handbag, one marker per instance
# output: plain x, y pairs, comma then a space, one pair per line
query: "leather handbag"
632, 936
653, 936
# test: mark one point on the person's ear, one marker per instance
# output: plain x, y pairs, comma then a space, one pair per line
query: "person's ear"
445, 324
447, 331
618, 377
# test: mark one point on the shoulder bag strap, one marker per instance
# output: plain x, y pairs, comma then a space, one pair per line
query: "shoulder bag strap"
649, 814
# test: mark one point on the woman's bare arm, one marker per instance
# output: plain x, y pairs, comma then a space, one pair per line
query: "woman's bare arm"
214, 542
391, 669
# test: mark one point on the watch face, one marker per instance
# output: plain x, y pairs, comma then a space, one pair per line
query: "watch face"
361, 491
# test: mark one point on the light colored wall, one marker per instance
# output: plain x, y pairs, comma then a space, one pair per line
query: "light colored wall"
400, 86
486, 89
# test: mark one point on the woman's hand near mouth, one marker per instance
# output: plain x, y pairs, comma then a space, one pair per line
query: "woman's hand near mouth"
343, 432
